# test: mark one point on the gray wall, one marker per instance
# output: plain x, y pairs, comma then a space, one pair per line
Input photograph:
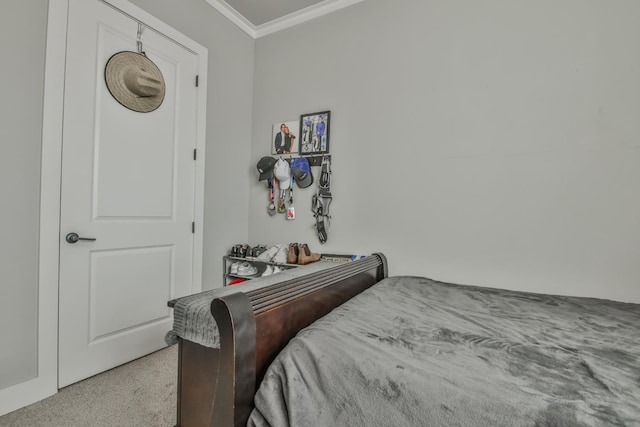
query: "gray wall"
23, 28
22, 44
490, 143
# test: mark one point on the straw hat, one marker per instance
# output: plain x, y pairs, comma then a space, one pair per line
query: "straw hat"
134, 81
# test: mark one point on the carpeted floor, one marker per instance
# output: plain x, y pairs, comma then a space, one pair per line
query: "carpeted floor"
140, 393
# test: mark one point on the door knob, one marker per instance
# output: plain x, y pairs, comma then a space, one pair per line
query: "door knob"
73, 238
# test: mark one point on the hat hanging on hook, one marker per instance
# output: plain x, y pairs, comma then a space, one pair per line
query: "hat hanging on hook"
134, 80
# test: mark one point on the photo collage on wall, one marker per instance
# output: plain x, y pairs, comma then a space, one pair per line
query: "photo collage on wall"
307, 138
295, 147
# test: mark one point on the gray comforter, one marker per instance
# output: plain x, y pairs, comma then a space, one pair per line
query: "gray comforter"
414, 352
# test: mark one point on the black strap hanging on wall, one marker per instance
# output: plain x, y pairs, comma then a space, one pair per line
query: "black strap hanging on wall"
322, 200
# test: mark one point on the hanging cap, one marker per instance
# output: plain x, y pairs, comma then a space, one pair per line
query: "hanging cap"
301, 172
265, 167
282, 171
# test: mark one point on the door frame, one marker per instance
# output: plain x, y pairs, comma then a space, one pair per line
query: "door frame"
45, 383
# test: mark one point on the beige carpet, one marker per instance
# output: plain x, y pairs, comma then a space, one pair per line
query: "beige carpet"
140, 393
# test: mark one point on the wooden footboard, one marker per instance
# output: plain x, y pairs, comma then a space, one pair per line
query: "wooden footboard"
216, 387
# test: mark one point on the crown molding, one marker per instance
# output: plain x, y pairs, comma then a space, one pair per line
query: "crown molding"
232, 15
279, 24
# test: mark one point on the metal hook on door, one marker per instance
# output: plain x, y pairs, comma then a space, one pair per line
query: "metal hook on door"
139, 40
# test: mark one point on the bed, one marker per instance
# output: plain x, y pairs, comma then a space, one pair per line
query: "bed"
347, 345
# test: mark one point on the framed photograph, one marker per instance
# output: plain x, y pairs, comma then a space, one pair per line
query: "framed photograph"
314, 133
284, 138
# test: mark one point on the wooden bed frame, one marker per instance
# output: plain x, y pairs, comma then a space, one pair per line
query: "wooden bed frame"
216, 386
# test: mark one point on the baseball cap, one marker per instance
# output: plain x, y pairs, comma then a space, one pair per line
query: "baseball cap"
301, 172
265, 167
282, 171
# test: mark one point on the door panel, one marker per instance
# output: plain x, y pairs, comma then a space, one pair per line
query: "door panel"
142, 274
130, 138
128, 181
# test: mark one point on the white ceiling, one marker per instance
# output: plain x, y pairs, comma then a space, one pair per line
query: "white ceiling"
261, 17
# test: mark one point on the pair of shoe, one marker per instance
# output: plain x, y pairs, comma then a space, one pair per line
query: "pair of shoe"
276, 254
246, 251
233, 269
257, 250
243, 269
272, 270
241, 251
301, 254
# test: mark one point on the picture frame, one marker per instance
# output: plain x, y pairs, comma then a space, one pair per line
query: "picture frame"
283, 138
314, 133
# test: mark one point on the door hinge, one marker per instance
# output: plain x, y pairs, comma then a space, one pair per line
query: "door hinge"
197, 81
195, 153
193, 227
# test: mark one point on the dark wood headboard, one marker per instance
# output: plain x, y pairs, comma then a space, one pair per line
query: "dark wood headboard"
255, 326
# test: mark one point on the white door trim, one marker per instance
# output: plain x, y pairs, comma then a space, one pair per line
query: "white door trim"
45, 383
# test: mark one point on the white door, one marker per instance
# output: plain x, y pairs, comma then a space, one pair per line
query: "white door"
128, 181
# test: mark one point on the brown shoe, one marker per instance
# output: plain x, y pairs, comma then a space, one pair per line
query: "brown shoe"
292, 257
305, 256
